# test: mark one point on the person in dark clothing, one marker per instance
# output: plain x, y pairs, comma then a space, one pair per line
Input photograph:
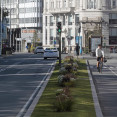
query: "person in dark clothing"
77, 49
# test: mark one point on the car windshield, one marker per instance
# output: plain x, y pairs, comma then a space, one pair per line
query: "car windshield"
51, 49
39, 47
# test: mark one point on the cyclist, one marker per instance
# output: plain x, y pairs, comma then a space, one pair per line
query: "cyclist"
99, 54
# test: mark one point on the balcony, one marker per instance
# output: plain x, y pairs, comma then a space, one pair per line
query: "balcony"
61, 10
91, 20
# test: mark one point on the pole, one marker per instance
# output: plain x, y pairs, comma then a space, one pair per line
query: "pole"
10, 23
13, 37
60, 49
1, 32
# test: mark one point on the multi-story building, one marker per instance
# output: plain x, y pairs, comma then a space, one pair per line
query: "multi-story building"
30, 20
25, 18
86, 22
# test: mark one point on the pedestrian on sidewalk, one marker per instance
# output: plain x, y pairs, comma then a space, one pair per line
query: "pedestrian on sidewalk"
77, 49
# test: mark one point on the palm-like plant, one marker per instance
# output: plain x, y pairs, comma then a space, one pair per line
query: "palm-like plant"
4, 12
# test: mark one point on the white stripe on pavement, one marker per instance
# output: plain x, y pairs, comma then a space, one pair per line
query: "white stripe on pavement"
34, 93
110, 68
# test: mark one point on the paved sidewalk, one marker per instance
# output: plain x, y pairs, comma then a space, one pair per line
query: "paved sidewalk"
106, 85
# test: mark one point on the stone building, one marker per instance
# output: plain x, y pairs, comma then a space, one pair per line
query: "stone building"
86, 22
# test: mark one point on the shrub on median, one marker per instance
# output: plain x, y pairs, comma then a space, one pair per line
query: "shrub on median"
67, 80
64, 101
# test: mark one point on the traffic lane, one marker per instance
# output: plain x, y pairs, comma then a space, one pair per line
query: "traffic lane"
15, 92
17, 86
106, 85
10, 60
14, 62
27, 69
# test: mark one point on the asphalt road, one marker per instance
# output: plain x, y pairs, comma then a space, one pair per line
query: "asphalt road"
20, 75
106, 85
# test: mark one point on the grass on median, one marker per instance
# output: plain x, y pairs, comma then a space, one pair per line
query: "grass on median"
82, 95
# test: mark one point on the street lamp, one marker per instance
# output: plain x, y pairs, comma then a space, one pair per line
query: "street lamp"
10, 23
1, 31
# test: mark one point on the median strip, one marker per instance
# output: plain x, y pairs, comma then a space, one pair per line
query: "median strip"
82, 96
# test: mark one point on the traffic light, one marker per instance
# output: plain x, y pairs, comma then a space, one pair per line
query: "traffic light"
59, 27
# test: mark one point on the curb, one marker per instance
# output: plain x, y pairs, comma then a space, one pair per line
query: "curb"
95, 97
36, 99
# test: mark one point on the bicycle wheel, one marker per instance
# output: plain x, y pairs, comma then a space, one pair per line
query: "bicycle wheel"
99, 68
101, 65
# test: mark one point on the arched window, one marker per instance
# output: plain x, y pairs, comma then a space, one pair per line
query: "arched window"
108, 4
91, 4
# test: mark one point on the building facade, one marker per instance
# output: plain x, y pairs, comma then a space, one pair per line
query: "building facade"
86, 22
30, 20
25, 18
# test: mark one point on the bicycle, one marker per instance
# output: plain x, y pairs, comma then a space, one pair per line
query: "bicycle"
100, 66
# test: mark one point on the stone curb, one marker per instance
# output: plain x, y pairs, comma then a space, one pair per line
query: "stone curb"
36, 99
95, 97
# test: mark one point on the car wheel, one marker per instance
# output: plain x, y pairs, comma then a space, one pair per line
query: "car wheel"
45, 58
57, 57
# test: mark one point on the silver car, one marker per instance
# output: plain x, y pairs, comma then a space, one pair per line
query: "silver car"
51, 53
38, 49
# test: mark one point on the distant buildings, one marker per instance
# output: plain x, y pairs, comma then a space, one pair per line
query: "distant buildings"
25, 17
3, 27
83, 21
86, 22
30, 20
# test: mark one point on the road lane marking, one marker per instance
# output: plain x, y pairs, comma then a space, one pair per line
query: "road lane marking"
110, 68
112, 71
28, 103
19, 74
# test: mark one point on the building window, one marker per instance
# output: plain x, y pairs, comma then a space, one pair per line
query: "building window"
51, 37
70, 20
76, 19
64, 20
113, 36
64, 3
51, 20
92, 4
113, 18
58, 3
46, 20
70, 32
58, 19
108, 4
114, 3
113, 31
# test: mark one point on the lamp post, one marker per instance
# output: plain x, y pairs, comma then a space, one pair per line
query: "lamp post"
10, 23
1, 31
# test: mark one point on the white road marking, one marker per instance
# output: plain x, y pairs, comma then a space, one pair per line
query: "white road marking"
110, 68
19, 74
35, 91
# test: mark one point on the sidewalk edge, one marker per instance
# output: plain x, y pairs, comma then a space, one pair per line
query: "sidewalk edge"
95, 97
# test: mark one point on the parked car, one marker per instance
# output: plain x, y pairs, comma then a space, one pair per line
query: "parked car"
38, 49
51, 53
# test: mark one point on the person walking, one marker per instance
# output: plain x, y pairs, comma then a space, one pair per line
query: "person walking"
77, 49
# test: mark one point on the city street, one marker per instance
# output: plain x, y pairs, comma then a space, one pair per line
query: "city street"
106, 85
20, 75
